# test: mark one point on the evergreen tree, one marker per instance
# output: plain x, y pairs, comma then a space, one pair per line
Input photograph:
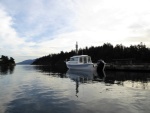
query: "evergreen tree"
4, 60
140, 53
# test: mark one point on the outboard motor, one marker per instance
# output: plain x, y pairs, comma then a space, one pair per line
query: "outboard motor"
100, 65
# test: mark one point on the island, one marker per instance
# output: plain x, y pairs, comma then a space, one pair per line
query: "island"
5, 61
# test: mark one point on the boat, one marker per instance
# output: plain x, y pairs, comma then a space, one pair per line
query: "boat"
80, 62
84, 62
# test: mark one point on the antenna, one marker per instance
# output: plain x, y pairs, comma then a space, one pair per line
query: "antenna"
76, 47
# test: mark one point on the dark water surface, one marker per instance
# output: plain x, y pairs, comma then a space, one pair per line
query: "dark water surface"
39, 89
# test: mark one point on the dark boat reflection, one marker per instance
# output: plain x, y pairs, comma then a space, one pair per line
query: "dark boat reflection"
82, 76
85, 76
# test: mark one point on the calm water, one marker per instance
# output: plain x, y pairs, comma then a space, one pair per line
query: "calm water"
32, 89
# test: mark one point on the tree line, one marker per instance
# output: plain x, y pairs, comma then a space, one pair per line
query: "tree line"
5, 61
138, 53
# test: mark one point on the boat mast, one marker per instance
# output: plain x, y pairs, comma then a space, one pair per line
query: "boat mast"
77, 48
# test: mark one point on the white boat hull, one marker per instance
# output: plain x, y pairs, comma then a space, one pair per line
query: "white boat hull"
83, 62
81, 66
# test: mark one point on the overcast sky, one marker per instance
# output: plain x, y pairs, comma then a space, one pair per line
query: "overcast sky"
34, 28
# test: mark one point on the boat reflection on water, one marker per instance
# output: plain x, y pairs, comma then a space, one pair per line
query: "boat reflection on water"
82, 76
85, 76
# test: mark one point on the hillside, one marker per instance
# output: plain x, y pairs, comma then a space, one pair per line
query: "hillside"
139, 53
26, 62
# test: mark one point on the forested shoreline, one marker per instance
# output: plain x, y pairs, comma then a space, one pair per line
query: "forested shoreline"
138, 53
5, 61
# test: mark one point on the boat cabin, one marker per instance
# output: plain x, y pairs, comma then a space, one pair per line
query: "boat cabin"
80, 59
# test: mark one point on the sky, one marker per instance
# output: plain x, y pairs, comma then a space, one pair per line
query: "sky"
31, 29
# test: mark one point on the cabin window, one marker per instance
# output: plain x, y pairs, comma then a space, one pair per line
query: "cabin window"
75, 59
71, 59
85, 60
89, 59
80, 59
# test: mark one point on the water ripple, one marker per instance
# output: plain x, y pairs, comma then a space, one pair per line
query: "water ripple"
29, 90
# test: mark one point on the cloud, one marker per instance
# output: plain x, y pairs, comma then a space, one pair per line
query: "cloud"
11, 44
97, 22
35, 20
8, 35
111, 21
27, 25
37, 28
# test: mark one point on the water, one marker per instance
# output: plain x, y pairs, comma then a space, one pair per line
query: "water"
38, 89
